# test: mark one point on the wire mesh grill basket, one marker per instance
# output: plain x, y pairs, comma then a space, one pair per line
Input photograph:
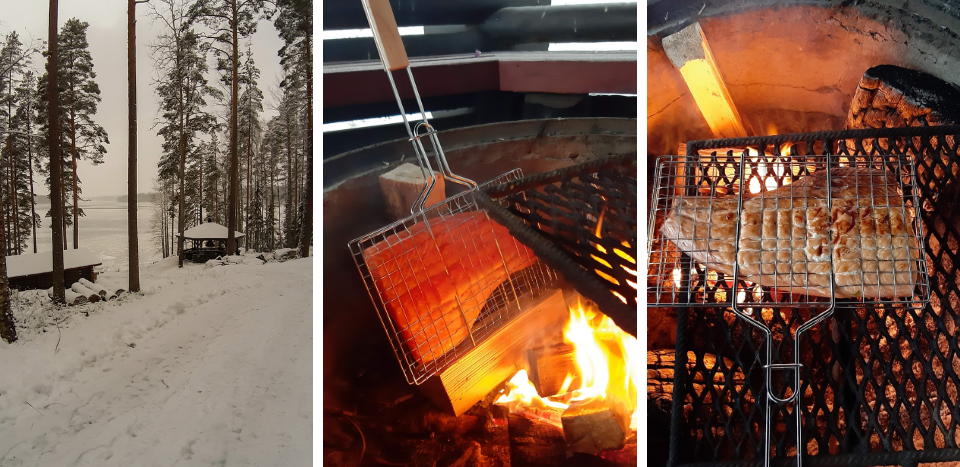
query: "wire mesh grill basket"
439, 297
875, 382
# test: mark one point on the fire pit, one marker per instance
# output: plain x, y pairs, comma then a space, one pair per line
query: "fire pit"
877, 380
371, 412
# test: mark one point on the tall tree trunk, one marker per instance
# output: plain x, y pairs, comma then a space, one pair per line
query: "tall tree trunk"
33, 200
53, 140
306, 230
73, 152
289, 207
180, 219
132, 240
14, 213
200, 191
13, 177
234, 156
8, 331
246, 224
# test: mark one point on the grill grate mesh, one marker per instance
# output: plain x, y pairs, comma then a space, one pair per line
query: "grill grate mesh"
879, 380
582, 222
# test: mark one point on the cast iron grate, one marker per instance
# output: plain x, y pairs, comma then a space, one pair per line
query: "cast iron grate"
582, 222
880, 381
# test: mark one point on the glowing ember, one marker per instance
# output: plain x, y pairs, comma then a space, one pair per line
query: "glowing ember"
676, 277
607, 361
606, 263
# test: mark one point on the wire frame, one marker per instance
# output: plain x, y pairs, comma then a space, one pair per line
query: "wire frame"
444, 280
878, 382
769, 212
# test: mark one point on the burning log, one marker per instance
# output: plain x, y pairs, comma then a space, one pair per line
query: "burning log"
493, 361
595, 425
551, 366
689, 52
535, 443
401, 187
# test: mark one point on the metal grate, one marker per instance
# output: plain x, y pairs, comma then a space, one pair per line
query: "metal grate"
582, 221
878, 381
433, 318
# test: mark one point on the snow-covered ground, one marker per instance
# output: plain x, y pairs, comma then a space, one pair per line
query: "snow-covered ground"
208, 366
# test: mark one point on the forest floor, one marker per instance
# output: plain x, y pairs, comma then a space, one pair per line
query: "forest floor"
207, 366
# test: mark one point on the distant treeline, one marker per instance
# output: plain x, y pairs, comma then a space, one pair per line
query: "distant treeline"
141, 198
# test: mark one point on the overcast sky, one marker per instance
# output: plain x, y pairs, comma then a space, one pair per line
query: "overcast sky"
107, 36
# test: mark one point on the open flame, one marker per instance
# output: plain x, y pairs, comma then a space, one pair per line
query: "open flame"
607, 360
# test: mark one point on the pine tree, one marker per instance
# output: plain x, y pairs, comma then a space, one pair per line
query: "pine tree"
80, 97
25, 119
251, 105
54, 141
229, 21
294, 22
183, 90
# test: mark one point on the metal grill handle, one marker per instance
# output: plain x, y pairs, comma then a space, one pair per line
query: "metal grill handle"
386, 35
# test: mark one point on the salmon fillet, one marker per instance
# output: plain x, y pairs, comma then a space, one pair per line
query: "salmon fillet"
434, 286
784, 235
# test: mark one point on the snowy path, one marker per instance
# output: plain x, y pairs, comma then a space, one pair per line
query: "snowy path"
209, 367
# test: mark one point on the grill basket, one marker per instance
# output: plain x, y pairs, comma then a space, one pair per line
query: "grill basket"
499, 308
878, 381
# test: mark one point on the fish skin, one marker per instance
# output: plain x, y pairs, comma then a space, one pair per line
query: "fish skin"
785, 235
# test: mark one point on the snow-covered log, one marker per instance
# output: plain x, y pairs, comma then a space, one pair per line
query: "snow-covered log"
71, 297
104, 293
112, 290
285, 253
79, 288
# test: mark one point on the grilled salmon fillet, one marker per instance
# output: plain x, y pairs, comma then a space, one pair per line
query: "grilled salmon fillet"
785, 235
434, 282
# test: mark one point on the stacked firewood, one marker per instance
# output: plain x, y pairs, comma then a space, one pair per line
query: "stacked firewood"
85, 291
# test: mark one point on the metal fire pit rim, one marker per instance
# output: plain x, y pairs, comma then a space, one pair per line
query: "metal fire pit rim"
350, 164
587, 283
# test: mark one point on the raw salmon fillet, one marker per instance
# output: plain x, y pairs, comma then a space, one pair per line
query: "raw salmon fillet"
434, 286
784, 235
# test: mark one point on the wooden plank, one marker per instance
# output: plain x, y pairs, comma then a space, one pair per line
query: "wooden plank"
690, 53
549, 367
350, 85
569, 76
401, 187
496, 359
557, 72
594, 425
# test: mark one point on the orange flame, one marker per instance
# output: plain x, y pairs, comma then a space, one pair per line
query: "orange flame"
607, 360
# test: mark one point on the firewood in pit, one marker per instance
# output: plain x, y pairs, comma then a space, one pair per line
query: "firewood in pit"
889, 96
550, 366
401, 187
595, 425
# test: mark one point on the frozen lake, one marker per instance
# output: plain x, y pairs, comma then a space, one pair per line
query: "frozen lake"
103, 230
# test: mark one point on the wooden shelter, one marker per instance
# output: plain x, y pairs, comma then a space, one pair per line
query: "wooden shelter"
209, 241
35, 270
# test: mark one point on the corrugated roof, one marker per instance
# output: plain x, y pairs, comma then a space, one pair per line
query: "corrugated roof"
39, 263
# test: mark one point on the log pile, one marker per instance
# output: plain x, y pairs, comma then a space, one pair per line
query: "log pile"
84, 291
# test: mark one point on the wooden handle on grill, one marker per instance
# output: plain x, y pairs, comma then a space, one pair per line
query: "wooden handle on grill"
385, 34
